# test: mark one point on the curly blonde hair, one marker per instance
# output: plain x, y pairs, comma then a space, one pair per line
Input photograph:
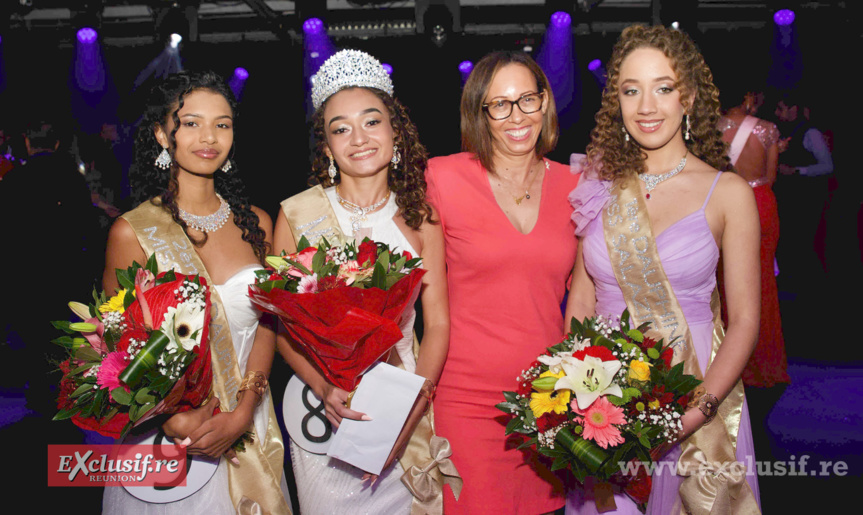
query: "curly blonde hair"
694, 81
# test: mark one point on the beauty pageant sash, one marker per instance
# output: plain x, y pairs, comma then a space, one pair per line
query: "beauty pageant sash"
715, 482
255, 484
426, 458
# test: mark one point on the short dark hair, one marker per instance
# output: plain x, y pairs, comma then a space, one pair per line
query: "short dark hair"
475, 133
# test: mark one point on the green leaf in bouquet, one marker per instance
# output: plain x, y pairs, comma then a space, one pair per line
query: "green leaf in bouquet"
63, 325
527, 443
121, 396
384, 259
113, 411
168, 277
585, 451
644, 441
303, 244
399, 264
134, 413
393, 278
81, 390
66, 342
576, 327
559, 463
124, 280
614, 399
145, 360
143, 396
319, 259
624, 320
514, 425
508, 407
67, 413
87, 354
82, 368
511, 397
413, 262
144, 409
636, 335
379, 276
152, 265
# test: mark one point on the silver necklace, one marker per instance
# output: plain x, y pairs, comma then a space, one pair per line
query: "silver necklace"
208, 223
358, 213
652, 180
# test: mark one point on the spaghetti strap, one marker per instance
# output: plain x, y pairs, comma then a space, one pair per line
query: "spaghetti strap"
709, 193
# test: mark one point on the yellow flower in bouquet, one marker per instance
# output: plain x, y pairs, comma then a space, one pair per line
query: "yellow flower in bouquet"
545, 401
115, 303
639, 370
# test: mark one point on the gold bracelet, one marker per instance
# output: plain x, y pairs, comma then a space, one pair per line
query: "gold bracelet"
256, 382
706, 403
428, 390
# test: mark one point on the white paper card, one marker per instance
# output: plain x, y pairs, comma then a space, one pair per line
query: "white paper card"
386, 394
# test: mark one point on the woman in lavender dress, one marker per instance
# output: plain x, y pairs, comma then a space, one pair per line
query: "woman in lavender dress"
658, 123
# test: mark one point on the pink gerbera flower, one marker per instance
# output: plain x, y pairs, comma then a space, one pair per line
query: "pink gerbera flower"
308, 284
599, 420
108, 375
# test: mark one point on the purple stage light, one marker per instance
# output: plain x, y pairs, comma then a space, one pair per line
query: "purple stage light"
241, 73
86, 35
465, 66
784, 17
313, 26
561, 19
387, 68
594, 65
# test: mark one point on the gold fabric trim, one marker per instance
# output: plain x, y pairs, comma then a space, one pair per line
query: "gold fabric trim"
311, 211
255, 484
715, 482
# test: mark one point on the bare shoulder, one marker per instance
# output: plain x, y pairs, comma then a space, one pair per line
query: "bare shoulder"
122, 233
264, 219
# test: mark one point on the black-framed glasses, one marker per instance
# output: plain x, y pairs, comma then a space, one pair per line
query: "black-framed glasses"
502, 109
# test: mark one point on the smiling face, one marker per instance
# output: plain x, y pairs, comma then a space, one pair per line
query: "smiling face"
359, 134
205, 134
650, 101
517, 134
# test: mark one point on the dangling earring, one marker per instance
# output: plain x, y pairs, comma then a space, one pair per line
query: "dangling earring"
331, 171
397, 157
164, 159
625, 134
686, 134
227, 166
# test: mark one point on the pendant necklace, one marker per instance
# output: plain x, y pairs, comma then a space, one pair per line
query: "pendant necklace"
358, 213
653, 180
527, 190
207, 223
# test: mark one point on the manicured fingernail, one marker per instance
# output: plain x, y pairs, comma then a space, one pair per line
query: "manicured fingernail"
186, 442
235, 461
366, 417
373, 481
366, 479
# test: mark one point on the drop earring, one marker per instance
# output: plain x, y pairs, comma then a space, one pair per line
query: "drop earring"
331, 170
397, 157
686, 134
625, 134
164, 159
227, 166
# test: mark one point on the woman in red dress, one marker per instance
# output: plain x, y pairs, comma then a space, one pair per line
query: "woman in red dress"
509, 252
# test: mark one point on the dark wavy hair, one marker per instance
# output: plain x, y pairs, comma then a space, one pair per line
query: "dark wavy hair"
475, 132
407, 179
160, 187
694, 80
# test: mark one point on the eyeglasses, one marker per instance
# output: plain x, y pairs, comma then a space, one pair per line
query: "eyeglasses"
502, 109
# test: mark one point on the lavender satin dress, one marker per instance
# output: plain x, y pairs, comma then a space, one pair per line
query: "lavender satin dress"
689, 257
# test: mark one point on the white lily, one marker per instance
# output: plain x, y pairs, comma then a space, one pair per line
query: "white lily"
184, 325
553, 362
589, 379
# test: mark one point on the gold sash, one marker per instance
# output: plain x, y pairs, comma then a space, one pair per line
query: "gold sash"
426, 458
255, 484
715, 482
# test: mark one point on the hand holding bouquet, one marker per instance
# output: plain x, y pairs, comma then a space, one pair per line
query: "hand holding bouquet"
603, 397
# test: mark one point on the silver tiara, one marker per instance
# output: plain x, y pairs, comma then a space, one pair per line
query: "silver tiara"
347, 69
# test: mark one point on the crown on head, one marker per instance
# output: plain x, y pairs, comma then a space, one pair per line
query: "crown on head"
347, 69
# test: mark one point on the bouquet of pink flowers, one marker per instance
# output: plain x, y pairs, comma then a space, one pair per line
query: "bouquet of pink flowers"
603, 397
342, 303
137, 354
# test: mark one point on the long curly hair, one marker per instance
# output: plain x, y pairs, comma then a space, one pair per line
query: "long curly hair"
160, 187
608, 148
406, 180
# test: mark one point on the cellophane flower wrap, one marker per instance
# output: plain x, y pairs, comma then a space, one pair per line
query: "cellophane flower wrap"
342, 303
602, 398
139, 353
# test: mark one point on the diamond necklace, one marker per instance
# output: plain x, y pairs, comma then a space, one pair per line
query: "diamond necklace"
207, 223
652, 180
358, 213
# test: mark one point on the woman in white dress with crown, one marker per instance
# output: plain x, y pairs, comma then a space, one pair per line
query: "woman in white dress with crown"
369, 181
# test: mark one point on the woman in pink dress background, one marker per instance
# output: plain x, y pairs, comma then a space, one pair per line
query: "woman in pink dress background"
509, 254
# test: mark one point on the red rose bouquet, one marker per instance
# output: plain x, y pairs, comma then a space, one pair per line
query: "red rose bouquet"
605, 396
136, 354
342, 303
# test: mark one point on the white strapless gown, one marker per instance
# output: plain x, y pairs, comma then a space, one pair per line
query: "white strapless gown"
326, 485
213, 498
